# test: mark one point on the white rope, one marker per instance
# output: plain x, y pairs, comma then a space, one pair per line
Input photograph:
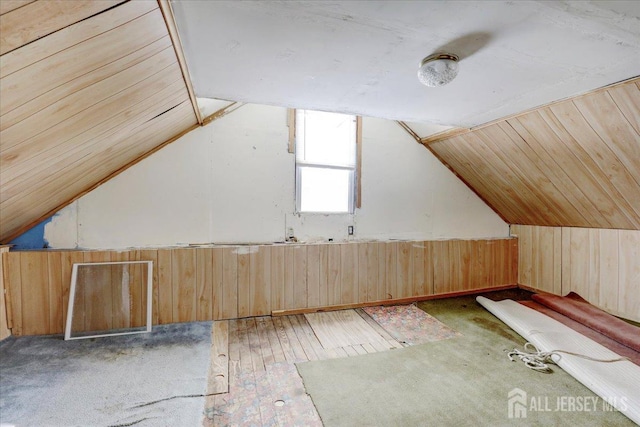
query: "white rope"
539, 360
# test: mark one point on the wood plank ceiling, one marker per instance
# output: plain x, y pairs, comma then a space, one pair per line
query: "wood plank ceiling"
87, 87
571, 163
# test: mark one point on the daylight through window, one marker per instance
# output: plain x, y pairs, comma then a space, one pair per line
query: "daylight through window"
325, 162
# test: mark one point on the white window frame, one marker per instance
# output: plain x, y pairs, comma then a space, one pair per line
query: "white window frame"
352, 188
354, 176
72, 298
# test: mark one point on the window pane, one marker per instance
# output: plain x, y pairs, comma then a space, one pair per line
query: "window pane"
325, 138
324, 190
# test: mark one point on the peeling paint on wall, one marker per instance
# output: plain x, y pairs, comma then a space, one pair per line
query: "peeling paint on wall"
243, 250
212, 187
62, 231
32, 238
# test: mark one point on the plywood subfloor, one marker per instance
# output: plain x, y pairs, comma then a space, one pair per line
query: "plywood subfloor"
264, 385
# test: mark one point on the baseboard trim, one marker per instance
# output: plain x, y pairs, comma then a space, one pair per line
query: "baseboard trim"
399, 301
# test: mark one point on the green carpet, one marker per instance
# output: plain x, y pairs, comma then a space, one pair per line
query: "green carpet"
460, 381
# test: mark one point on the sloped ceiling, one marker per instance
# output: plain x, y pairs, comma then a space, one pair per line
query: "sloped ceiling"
86, 88
362, 56
572, 163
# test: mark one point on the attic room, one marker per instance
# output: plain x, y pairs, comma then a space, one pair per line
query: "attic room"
314, 213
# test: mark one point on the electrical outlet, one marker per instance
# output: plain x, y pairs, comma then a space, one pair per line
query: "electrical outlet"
350, 230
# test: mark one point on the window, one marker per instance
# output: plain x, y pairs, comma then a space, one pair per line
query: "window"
326, 162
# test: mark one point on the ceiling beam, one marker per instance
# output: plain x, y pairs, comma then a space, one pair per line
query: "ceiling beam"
221, 112
410, 131
450, 133
167, 13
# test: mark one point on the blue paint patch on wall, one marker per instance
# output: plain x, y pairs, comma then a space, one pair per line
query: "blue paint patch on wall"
32, 239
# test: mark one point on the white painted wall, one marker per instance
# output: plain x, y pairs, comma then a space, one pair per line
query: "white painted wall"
233, 182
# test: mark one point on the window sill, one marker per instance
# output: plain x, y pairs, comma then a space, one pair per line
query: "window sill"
324, 213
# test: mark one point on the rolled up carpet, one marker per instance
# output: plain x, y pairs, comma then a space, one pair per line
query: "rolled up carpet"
615, 382
577, 308
598, 337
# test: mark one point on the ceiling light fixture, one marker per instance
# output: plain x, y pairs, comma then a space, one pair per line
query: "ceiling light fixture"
438, 69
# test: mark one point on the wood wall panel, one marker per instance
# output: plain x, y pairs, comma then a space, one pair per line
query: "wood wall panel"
204, 283
24, 165
574, 163
556, 183
7, 6
79, 59
95, 87
381, 291
61, 121
259, 291
183, 271
72, 35
13, 285
323, 276
60, 95
278, 267
67, 259
313, 276
629, 104
476, 173
38, 19
165, 288
56, 292
441, 282
120, 306
217, 283
404, 269
213, 283
35, 293
102, 161
98, 297
230, 284
629, 274
299, 286
244, 287
139, 292
601, 265
4, 326
334, 266
597, 158
419, 280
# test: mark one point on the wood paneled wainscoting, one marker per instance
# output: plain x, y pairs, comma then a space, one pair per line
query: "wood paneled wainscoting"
4, 329
601, 265
226, 282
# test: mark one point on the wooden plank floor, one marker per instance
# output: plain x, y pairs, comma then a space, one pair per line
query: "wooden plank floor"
344, 328
218, 381
264, 388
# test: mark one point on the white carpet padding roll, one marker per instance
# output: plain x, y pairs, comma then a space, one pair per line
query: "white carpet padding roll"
616, 382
